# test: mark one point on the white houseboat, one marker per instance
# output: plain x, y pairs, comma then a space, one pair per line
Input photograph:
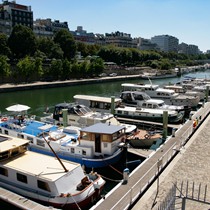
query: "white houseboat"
45, 179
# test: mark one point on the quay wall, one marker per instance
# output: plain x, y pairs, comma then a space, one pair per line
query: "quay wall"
42, 85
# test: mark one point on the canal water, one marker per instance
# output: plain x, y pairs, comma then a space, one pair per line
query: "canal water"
39, 99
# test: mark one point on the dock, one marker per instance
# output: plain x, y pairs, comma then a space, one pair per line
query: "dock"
20, 201
127, 193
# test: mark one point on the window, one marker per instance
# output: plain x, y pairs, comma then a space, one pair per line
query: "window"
4, 155
22, 178
43, 185
72, 150
40, 143
3, 171
105, 145
15, 152
83, 152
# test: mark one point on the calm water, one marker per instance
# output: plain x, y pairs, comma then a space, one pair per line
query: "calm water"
38, 100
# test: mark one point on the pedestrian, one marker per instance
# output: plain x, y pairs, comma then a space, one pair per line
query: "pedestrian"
194, 124
197, 121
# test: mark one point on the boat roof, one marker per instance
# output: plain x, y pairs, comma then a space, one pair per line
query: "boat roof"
42, 166
105, 128
96, 98
7, 142
139, 85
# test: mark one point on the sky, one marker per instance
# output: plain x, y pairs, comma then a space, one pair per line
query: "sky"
187, 20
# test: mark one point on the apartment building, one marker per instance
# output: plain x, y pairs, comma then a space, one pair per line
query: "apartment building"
120, 39
166, 43
12, 14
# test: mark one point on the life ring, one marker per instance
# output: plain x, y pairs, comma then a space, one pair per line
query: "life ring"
4, 119
146, 136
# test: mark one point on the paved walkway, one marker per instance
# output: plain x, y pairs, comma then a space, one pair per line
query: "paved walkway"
121, 190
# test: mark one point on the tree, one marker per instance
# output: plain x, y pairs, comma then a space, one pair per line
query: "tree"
4, 68
4, 48
25, 69
67, 43
22, 41
49, 48
56, 69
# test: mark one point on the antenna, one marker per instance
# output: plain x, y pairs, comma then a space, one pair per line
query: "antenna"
149, 80
55, 154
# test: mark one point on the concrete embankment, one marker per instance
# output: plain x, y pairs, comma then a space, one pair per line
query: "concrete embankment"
41, 85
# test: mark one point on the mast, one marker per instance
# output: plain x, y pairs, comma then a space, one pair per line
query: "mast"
55, 154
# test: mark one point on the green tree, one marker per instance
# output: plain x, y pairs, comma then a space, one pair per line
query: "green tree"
4, 48
49, 48
67, 43
66, 70
25, 69
96, 67
56, 69
4, 68
22, 41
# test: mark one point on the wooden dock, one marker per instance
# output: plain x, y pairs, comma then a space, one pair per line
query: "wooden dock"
20, 201
124, 195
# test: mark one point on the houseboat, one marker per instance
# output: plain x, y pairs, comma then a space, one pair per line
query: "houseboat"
44, 179
98, 147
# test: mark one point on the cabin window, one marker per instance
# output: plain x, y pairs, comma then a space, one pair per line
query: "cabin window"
22, 178
4, 155
72, 150
105, 145
83, 152
40, 143
43, 185
30, 139
15, 152
3, 171
105, 137
21, 136
6, 132
0, 130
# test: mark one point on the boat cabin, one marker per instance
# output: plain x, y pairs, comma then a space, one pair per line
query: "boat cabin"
97, 103
104, 138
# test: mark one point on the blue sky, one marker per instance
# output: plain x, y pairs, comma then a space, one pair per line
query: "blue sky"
188, 20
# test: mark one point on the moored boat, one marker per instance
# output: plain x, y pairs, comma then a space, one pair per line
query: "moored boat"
82, 116
96, 148
52, 182
168, 95
143, 138
142, 100
153, 115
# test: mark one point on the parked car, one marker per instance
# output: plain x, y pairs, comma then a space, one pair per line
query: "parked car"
102, 75
113, 74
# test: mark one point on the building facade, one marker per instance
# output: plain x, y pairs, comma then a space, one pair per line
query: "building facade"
166, 43
120, 39
145, 44
82, 36
13, 14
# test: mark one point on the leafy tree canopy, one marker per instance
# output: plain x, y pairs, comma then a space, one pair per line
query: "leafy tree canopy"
22, 41
67, 43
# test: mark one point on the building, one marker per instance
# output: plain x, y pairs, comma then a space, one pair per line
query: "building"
13, 14
145, 44
82, 36
193, 49
5, 22
120, 39
183, 48
166, 43
47, 27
